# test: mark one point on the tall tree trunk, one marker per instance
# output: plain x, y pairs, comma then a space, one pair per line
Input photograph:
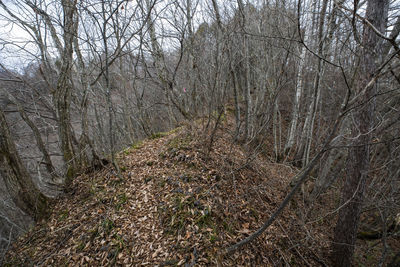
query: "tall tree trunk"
106, 75
192, 58
247, 96
84, 139
328, 173
303, 151
162, 71
291, 139
62, 97
236, 97
358, 160
19, 183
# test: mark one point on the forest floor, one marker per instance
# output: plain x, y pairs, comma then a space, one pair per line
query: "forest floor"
178, 205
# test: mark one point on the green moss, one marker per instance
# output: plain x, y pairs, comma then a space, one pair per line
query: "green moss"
162, 134
156, 135
137, 145
180, 143
69, 176
126, 151
215, 115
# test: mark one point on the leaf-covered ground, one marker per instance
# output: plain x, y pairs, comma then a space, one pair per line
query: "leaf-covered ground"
178, 205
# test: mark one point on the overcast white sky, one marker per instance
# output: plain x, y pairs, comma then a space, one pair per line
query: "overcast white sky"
16, 46
17, 49
11, 37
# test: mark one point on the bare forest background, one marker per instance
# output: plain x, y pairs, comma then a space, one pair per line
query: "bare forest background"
314, 84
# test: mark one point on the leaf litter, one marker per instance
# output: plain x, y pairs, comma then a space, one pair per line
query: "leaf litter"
176, 205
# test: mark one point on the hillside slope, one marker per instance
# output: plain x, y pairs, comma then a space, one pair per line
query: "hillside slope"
175, 206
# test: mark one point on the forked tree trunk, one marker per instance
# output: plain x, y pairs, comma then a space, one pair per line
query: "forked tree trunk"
19, 183
358, 160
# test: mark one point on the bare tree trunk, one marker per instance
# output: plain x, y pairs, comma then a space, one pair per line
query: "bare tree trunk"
62, 97
192, 58
236, 98
299, 85
334, 160
19, 183
308, 127
275, 125
106, 75
39, 141
332, 165
158, 57
358, 160
85, 139
247, 96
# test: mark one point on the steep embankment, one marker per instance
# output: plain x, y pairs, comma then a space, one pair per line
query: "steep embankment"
174, 205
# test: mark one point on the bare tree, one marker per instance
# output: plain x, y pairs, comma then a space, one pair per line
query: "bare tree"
19, 183
357, 165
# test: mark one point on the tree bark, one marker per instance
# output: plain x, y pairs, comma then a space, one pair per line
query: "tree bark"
299, 84
38, 137
84, 139
19, 183
247, 96
308, 127
358, 160
63, 92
